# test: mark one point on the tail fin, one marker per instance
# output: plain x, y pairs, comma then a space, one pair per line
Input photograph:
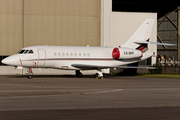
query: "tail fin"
141, 35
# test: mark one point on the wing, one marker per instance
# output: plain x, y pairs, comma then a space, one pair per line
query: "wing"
87, 67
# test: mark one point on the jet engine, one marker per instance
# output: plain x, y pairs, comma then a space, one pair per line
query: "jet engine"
124, 53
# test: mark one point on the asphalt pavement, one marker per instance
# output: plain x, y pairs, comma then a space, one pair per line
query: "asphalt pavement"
68, 97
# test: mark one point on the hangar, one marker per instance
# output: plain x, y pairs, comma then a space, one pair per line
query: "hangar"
71, 23
168, 21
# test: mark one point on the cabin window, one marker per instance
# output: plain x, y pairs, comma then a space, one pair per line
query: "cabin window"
88, 54
59, 54
84, 54
67, 54
75, 54
71, 54
63, 54
54, 54
79, 54
30, 52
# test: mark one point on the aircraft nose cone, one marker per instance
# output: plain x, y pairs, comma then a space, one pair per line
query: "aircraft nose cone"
5, 61
11, 60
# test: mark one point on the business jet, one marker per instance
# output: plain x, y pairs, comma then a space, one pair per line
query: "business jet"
87, 58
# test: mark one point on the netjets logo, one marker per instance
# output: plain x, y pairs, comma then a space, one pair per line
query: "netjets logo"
115, 53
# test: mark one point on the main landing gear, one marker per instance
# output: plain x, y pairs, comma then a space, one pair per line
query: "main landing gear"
78, 73
98, 75
30, 73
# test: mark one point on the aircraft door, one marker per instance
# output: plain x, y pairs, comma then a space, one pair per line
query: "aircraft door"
41, 57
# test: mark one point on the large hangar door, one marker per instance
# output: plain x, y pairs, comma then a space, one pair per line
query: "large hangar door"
41, 57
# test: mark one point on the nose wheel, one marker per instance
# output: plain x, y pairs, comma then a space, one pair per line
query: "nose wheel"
30, 73
29, 77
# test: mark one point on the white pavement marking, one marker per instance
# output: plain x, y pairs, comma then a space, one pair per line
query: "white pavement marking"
23, 91
33, 86
19, 85
63, 94
99, 92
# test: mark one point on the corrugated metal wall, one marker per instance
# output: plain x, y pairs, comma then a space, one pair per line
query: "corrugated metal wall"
10, 26
168, 33
48, 22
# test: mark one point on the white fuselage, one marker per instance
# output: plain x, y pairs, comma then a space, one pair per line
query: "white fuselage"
85, 58
62, 57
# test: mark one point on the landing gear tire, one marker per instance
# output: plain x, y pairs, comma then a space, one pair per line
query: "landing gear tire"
30, 73
29, 77
78, 73
98, 76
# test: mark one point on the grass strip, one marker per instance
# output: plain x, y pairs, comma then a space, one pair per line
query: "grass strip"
158, 75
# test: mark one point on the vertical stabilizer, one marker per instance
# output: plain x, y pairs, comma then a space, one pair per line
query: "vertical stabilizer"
142, 34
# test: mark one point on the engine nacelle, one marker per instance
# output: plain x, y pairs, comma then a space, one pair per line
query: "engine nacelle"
124, 53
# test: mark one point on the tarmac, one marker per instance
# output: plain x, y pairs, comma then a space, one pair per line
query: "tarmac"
68, 97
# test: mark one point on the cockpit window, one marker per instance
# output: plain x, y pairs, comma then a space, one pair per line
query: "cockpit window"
26, 52
21, 52
31, 52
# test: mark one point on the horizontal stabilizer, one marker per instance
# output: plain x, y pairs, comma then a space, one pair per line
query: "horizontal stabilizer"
156, 43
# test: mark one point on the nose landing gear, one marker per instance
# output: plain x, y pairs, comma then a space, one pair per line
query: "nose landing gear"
30, 73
